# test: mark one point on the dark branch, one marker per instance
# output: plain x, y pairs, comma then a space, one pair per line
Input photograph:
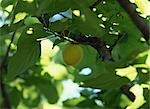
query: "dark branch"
8, 49
139, 21
3, 91
95, 42
125, 90
6, 103
95, 4
44, 19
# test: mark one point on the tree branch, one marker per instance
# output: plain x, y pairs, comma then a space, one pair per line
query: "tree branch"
8, 49
6, 102
125, 90
94, 4
95, 42
139, 21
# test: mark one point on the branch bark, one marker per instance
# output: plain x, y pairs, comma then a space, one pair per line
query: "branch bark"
139, 21
6, 103
94, 42
94, 4
125, 90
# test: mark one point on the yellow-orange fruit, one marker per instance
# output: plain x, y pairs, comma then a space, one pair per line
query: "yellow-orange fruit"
72, 54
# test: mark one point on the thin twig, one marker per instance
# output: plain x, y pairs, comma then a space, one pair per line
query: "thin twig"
8, 49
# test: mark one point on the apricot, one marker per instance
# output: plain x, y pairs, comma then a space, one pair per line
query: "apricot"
72, 54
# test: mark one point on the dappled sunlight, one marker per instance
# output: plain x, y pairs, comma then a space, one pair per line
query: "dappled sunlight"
125, 101
143, 7
77, 12
19, 16
83, 17
17, 83
148, 59
74, 55
146, 85
29, 31
71, 90
3, 16
9, 8
57, 71
29, 1
129, 72
137, 90
46, 105
85, 71
30, 93
47, 52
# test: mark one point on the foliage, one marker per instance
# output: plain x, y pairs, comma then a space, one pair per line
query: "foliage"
33, 69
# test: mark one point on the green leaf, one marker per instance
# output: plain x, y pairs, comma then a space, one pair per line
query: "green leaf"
143, 77
31, 20
4, 30
57, 41
87, 103
14, 93
137, 90
37, 31
31, 96
129, 72
87, 22
27, 7
59, 25
146, 92
27, 54
6, 3
52, 6
109, 96
45, 86
49, 91
73, 102
106, 81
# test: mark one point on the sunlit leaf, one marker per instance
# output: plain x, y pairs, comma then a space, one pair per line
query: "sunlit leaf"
73, 102
137, 90
19, 16
57, 71
125, 101
47, 51
31, 96
129, 72
148, 59
144, 6
31, 20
